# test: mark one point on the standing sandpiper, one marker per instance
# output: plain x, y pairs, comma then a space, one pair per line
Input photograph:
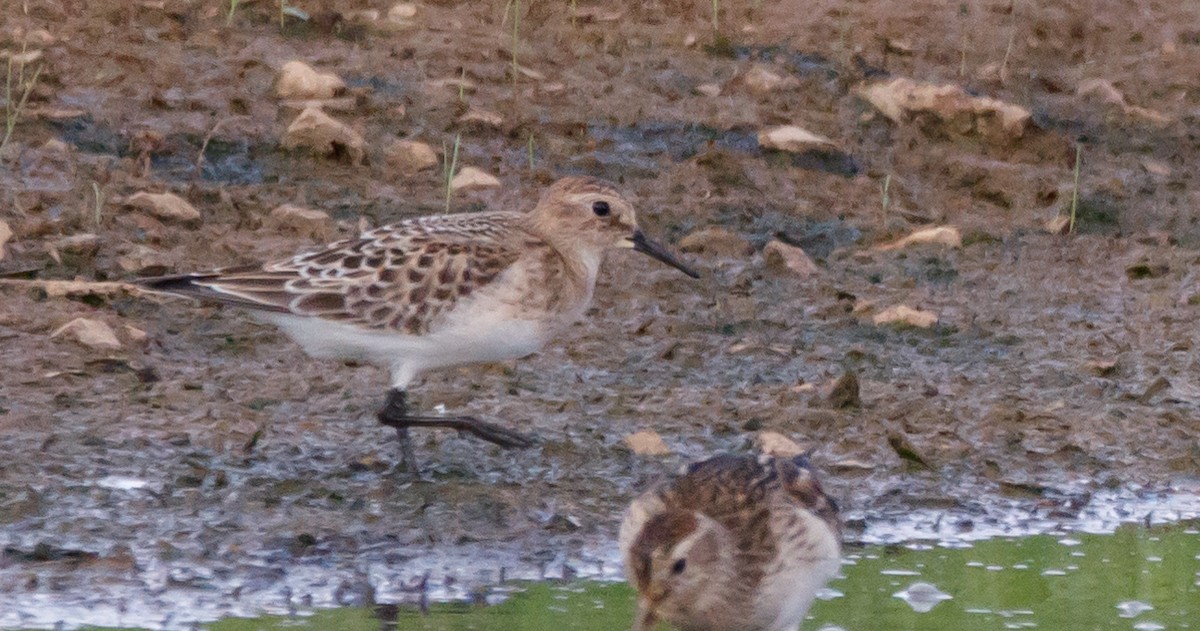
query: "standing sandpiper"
734, 543
439, 291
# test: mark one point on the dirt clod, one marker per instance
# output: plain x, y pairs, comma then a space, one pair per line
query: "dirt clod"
948, 236
647, 443
716, 241
794, 139
776, 444
298, 80
473, 178
167, 206
315, 224
92, 333
781, 257
845, 392
324, 136
905, 315
6, 233
410, 157
961, 112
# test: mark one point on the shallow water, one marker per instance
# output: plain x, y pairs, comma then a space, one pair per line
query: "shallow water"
1133, 579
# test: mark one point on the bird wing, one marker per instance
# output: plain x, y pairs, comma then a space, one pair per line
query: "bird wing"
740, 492
804, 490
399, 277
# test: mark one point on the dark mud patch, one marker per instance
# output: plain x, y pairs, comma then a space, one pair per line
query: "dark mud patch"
172, 158
637, 150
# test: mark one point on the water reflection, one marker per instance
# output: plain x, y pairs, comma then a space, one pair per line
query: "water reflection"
1133, 579
922, 597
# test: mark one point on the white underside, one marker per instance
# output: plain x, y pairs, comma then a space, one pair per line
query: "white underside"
483, 338
797, 584
492, 325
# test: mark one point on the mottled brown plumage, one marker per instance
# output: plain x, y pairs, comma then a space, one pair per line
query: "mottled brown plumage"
733, 542
400, 278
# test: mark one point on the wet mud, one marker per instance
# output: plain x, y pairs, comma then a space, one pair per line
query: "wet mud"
206, 468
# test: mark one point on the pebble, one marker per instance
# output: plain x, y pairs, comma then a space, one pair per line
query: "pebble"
92, 333
647, 443
167, 206
298, 80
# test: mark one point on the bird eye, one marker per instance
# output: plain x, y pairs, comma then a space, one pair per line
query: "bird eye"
601, 208
679, 566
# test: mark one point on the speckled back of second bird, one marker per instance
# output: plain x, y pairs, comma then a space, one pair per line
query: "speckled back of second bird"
731, 543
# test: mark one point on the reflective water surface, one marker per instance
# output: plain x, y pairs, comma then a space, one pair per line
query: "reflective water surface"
1133, 579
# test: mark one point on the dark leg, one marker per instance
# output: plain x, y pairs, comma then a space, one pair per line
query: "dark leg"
395, 414
394, 410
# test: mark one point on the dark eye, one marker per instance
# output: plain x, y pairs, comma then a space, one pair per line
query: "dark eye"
601, 208
679, 566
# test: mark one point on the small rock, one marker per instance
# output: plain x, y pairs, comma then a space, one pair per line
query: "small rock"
793, 139
298, 80
760, 80
302, 221
91, 333
902, 314
6, 233
944, 235
324, 136
960, 111
1058, 224
85, 244
481, 117
362, 16
54, 145
717, 242
144, 260
135, 334
167, 206
1156, 167
37, 37
709, 89
778, 445
1102, 89
901, 47
559, 523
1102, 367
845, 392
780, 257
529, 73
1107, 93
402, 12
22, 59
470, 177
410, 157
647, 443
460, 83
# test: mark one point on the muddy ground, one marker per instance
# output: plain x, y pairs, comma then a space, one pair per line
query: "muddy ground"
207, 467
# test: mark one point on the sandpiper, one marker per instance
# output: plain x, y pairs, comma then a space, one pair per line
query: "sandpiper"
439, 291
733, 543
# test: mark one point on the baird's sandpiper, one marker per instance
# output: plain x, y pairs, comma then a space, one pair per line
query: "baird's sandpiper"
439, 291
734, 543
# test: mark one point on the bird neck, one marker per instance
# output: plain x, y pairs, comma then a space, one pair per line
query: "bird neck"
580, 259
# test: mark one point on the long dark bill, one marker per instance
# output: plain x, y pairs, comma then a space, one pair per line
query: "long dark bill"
646, 245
